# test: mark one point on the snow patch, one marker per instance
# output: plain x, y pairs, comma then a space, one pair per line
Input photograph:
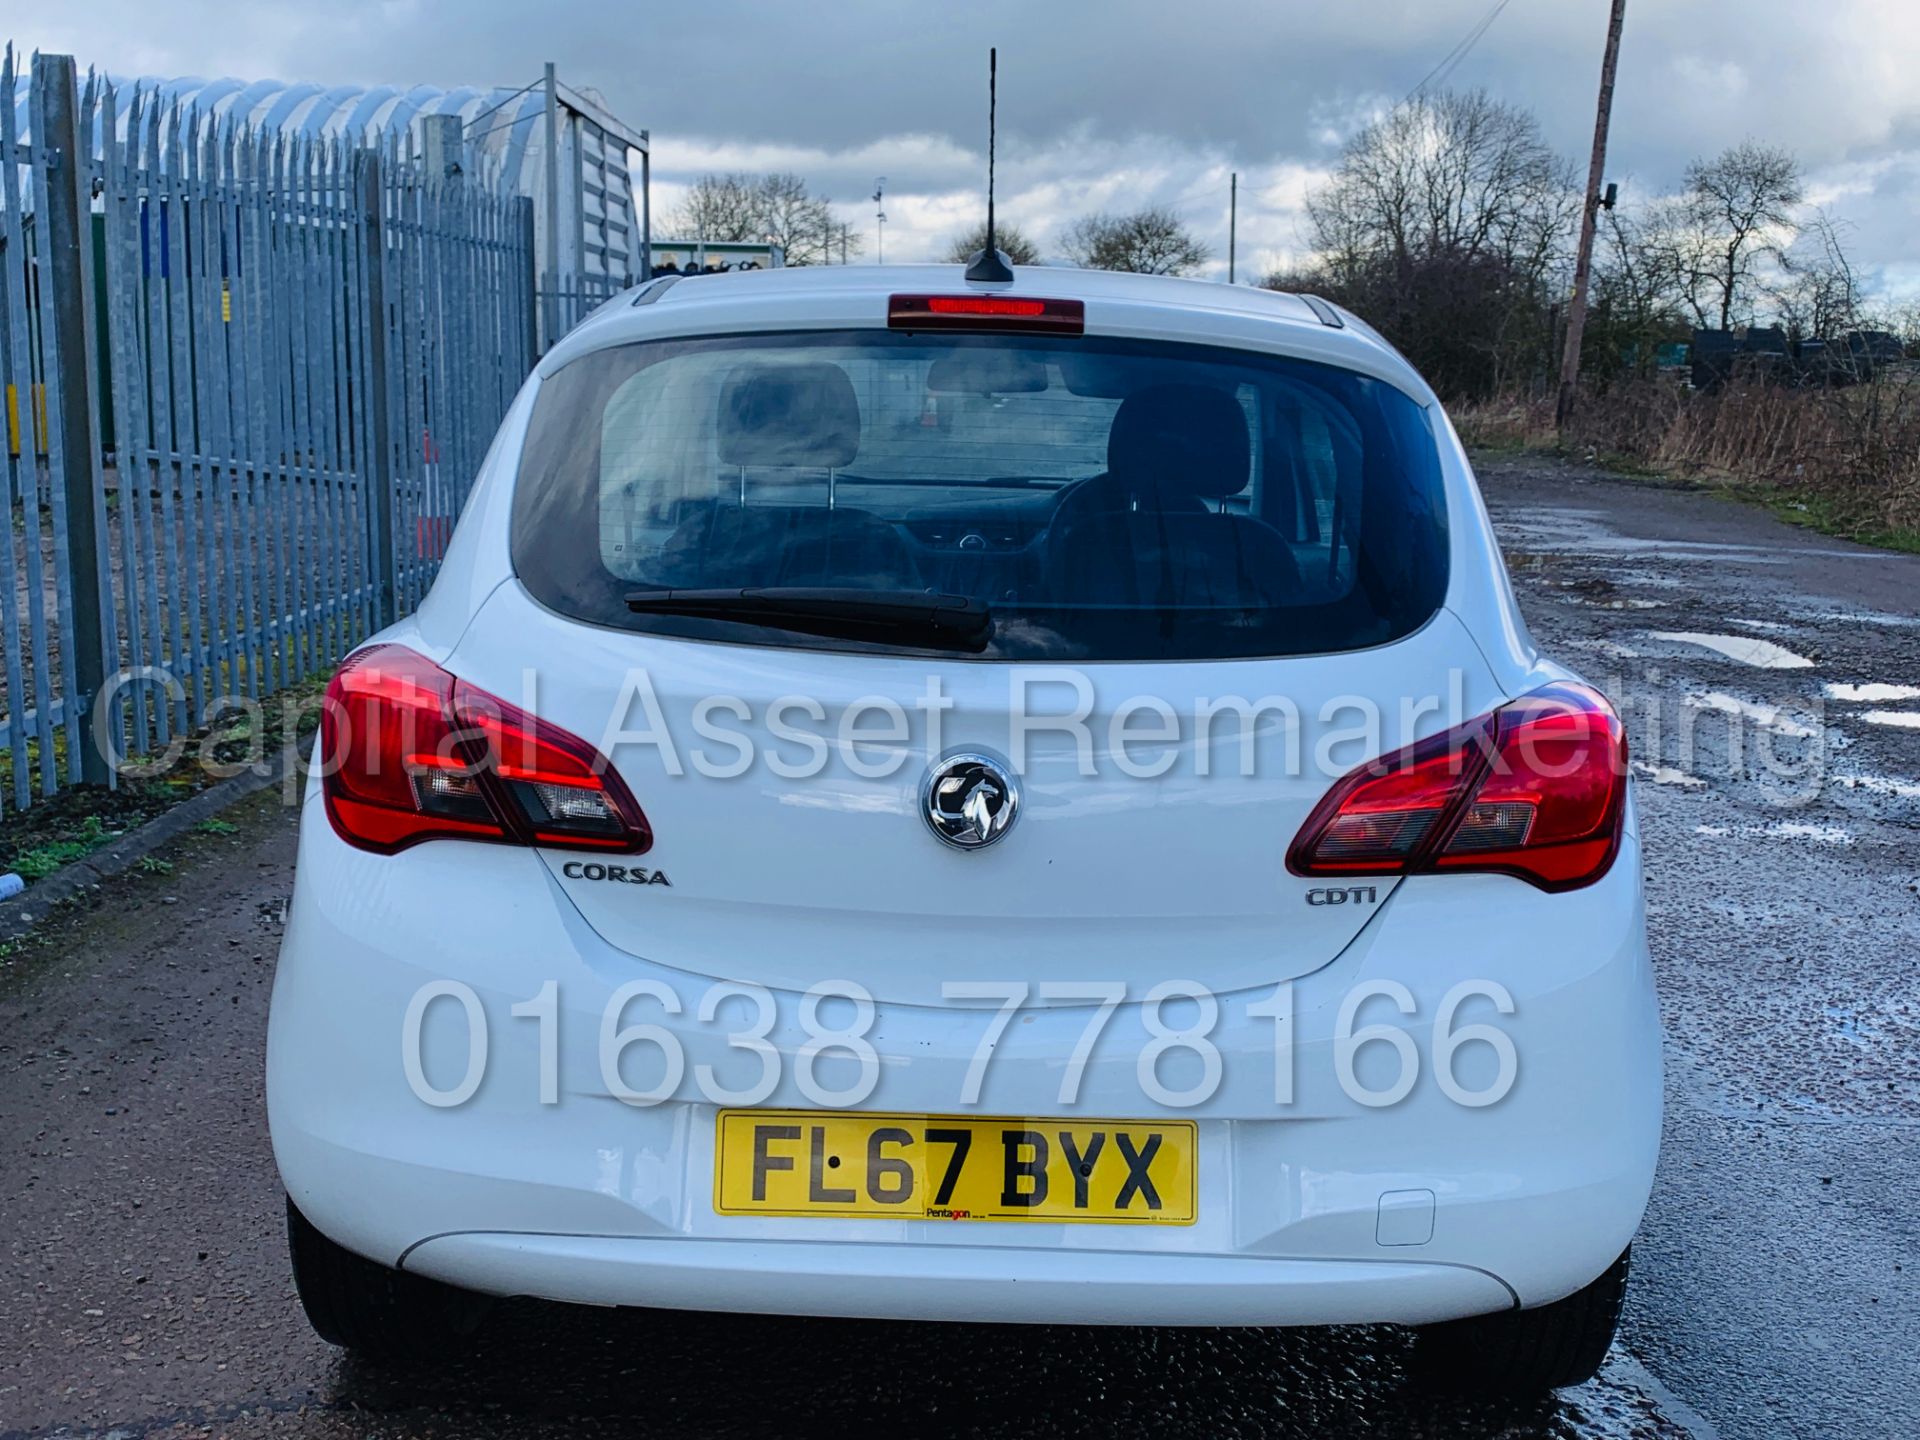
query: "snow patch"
1905, 719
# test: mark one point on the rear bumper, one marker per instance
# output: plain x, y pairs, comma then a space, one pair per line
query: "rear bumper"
1322, 1210
946, 1282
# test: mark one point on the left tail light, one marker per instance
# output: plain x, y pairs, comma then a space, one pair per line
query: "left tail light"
410, 753
1537, 790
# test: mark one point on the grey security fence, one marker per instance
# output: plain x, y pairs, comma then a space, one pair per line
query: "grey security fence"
302, 347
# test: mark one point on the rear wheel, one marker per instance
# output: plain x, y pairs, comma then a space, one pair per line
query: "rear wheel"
1526, 1352
383, 1315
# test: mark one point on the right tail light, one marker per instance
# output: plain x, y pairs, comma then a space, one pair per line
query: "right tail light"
1536, 789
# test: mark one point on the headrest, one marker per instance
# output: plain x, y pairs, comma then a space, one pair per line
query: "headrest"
793, 415
1184, 439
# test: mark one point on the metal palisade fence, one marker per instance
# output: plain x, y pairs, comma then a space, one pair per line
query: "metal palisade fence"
249, 379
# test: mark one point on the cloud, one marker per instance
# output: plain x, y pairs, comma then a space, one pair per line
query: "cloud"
1721, 82
1098, 105
936, 189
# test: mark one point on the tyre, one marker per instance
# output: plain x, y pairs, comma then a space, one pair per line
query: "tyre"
386, 1316
1526, 1352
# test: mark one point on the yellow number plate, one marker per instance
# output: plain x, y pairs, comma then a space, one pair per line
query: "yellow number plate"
929, 1167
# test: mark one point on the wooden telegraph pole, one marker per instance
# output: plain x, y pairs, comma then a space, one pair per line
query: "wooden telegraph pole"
1589, 219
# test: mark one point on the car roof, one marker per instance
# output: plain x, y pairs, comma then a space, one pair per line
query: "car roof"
856, 296
1061, 281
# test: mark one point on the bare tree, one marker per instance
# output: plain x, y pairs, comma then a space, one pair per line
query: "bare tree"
1446, 224
718, 207
1152, 241
801, 224
1743, 202
1644, 290
1460, 175
1298, 279
1012, 240
1669, 249
1901, 320
1639, 269
1820, 295
775, 208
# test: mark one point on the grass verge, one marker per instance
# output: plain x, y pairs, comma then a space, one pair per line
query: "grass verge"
1844, 462
1828, 514
74, 822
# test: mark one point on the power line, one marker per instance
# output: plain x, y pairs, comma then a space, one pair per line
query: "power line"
469, 133
1451, 60
531, 84
1485, 25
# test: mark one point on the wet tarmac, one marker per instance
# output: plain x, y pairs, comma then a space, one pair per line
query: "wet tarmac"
1774, 1284
146, 1293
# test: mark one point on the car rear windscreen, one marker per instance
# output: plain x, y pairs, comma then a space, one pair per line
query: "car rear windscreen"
1105, 499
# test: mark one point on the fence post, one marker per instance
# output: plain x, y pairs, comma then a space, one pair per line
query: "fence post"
443, 146
379, 476
523, 215
70, 303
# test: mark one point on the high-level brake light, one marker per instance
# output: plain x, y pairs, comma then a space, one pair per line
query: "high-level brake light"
1536, 789
984, 305
409, 753
992, 314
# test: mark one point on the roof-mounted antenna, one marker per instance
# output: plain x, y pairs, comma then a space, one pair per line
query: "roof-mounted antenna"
989, 266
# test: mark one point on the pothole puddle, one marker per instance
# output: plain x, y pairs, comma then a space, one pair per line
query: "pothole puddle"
1743, 649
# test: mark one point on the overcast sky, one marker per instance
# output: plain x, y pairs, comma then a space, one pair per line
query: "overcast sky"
1105, 105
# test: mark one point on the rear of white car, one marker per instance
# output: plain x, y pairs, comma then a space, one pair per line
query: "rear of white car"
919, 800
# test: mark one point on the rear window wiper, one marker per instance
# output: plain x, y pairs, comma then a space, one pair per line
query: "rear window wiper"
899, 617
